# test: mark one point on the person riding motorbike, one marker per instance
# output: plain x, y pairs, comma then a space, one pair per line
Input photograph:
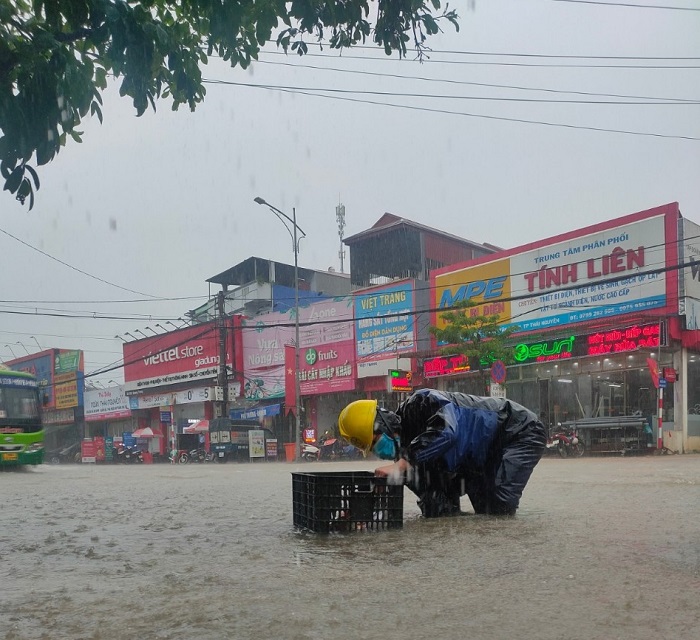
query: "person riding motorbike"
455, 444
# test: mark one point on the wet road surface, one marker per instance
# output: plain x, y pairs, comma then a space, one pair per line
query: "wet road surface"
601, 548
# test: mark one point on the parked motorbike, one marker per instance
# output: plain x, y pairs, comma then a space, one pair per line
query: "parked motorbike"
194, 455
565, 443
310, 452
127, 455
70, 453
330, 449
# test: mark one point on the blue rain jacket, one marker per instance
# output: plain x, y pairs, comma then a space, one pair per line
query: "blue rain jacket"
459, 444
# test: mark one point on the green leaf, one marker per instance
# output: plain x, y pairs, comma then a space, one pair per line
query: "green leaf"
34, 175
95, 110
13, 182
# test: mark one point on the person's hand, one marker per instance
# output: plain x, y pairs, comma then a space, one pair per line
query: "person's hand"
385, 472
395, 473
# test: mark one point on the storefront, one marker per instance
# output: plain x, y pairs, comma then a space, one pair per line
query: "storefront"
170, 379
107, 413
599, 328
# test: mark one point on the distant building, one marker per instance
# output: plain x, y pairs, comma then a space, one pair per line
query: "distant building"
395, 248
257, 285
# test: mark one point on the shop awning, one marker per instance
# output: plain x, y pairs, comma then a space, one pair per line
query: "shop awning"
147, 432
198, 427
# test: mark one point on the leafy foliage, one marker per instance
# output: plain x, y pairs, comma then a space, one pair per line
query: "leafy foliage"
56, 55
479, 337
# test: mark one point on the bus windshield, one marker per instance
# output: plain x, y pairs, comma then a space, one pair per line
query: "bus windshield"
19, 404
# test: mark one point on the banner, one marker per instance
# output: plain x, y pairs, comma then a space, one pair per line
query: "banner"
290, 389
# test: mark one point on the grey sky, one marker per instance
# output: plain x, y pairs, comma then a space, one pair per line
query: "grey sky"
158, 204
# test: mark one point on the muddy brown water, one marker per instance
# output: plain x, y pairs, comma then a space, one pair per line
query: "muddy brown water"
601, 548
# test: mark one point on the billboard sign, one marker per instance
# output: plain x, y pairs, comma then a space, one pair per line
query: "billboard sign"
323, 326
327, 369
689, 299
106, 404
384, 322
185, 355
598, 272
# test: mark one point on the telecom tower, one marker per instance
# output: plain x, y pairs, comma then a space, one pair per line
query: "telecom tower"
340, 217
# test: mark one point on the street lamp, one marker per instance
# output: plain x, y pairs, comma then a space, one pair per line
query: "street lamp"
295, 240
11, 351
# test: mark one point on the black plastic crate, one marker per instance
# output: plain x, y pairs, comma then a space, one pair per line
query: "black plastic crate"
328, 502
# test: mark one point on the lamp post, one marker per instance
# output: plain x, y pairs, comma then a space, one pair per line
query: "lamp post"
295, 240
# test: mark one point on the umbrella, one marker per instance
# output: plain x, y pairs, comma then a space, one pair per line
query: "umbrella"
197, 427
147, 432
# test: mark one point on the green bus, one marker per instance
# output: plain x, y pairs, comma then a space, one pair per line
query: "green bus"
21, 431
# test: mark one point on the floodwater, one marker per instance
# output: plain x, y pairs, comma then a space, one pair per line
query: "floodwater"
601, 548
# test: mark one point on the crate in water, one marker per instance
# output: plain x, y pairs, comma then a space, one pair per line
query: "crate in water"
327, 502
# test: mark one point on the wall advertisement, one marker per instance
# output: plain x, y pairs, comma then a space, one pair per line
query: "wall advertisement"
327, 369
186, 355
602, 272
106, 404
384, 323
321, 325
689, 300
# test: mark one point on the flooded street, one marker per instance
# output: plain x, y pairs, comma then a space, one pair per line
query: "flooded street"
601, 548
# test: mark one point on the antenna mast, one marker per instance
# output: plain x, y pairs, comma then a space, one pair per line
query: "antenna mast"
340, 218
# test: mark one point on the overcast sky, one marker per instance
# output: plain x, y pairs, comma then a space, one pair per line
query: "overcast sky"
160, 203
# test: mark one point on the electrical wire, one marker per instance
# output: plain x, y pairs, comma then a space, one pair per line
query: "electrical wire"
630, 4
557, 65
394, 94
65, 264
473, 115
488, 85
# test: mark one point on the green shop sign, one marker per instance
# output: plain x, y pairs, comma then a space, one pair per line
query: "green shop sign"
548, 350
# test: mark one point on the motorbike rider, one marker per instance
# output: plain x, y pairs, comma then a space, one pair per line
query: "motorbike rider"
454, 444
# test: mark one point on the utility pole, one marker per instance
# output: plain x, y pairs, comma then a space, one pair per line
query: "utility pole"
222, 380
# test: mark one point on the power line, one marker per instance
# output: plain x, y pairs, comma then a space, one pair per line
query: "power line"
520, 54
90, 316
487, 117
154, 299
630, 4
444, 96
65, 264
557, 65
475, 84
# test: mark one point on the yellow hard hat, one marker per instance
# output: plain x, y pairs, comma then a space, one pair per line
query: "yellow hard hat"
356, 423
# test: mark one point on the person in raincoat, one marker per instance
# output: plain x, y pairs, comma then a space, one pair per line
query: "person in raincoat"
454, 444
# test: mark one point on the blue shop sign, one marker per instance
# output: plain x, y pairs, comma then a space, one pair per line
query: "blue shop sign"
255, 413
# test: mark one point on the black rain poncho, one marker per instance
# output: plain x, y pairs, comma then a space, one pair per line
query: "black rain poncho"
459, 444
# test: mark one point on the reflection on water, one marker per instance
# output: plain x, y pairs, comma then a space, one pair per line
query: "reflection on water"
208, 551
